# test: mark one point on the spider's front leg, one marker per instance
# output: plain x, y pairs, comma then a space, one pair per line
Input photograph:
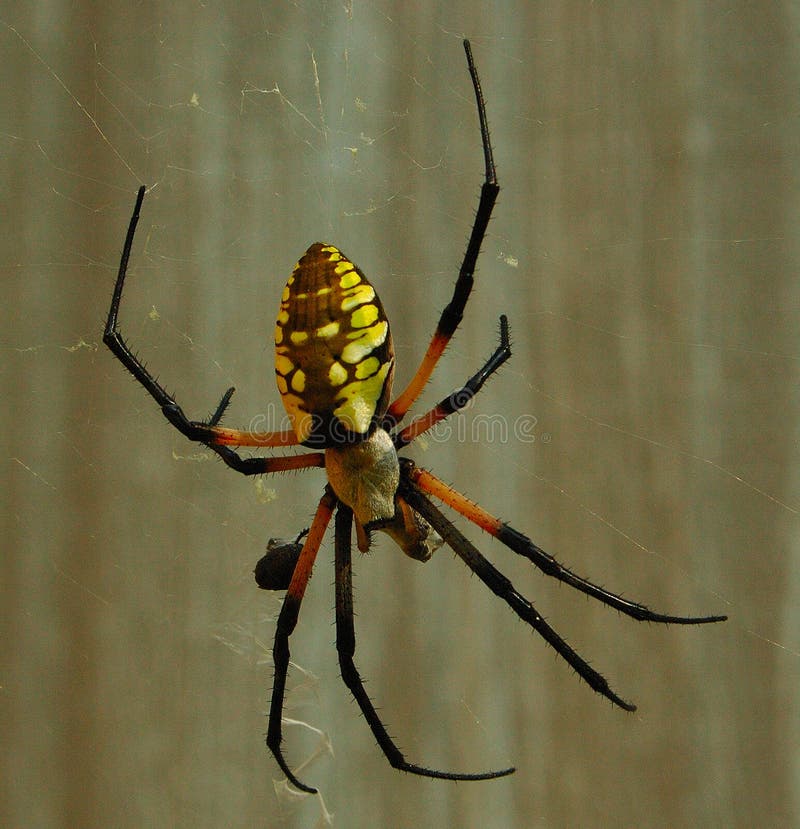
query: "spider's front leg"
113, 339
453, 313
216, 437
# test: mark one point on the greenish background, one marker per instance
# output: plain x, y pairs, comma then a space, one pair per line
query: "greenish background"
645, 249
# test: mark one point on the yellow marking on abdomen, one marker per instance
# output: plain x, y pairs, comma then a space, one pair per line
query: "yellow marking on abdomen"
364, 316
299, 381
361, 293
328, 331
283, 365
365, 342
366, 368
358, 407
349, 277
337, 374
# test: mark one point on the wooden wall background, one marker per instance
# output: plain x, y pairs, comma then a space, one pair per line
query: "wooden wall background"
645, 249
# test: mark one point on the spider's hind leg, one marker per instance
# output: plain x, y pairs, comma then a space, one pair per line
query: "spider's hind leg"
287, 620
346, 646
548, 564
505, 590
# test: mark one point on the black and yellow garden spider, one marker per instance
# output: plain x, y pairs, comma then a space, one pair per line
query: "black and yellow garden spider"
334, 364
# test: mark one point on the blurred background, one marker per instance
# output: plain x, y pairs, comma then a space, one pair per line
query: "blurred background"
645, 431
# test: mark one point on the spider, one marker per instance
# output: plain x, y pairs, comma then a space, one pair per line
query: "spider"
334, 364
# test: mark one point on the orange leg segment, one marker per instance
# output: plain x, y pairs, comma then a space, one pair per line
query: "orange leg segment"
460, 503
291, 462
548, 564
397, 411
302, 571
287, 620
458, 399
222, 436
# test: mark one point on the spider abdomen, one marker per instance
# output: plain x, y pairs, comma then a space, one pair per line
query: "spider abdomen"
334, 358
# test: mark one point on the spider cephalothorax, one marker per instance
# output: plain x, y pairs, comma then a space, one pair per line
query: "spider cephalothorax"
334, 363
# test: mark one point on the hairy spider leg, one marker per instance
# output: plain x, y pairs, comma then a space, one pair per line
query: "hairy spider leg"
454, 311
287, 620
345, 647
522, 545
503, 588
210, 433
460, 398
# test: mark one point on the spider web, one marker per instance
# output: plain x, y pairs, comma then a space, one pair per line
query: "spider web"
644, 430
